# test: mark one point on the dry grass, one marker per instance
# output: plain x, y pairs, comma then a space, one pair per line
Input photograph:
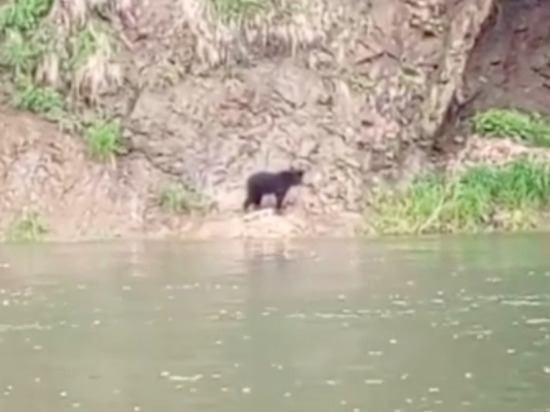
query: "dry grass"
233, 30
61, 58
97, 74
92, 67
58, 44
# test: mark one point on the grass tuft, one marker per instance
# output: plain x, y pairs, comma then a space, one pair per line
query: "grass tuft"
238, 10
28, 228
530, 128
103, 138
39, 99
23, 15
178, 199
18, 53
511, 196
228, 31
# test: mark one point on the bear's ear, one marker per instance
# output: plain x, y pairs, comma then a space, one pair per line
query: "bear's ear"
299, 173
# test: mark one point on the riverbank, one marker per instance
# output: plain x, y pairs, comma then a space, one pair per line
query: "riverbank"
122, 120
508, 192
492, 183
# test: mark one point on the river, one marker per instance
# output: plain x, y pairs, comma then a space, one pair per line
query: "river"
433, 324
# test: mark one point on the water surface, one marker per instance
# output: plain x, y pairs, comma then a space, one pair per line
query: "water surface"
441, 324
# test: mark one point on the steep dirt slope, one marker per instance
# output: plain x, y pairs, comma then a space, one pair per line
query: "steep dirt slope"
353, 92
360, 95
509, 66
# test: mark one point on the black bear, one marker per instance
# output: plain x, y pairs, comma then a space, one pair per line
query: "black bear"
265, 183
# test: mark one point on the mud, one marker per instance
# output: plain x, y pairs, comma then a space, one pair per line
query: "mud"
355, 95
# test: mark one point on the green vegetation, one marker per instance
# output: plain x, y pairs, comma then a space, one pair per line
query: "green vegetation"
56, 59
23, 15
38, 99
530, 128
28, 228
236, 10
506, 197
103, 138
178, 199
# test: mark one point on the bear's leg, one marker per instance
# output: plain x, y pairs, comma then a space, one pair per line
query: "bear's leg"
252, 199
280, 196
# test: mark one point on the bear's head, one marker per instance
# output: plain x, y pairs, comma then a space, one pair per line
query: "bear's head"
293, 177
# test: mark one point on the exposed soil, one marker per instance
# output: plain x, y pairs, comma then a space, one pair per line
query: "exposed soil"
360, 101
509, 66
51, 174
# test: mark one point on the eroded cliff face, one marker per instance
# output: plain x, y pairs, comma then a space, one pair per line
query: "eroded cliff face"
352, 92
510, 64
363, 96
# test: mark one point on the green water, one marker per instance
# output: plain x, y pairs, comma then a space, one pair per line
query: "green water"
442, 324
